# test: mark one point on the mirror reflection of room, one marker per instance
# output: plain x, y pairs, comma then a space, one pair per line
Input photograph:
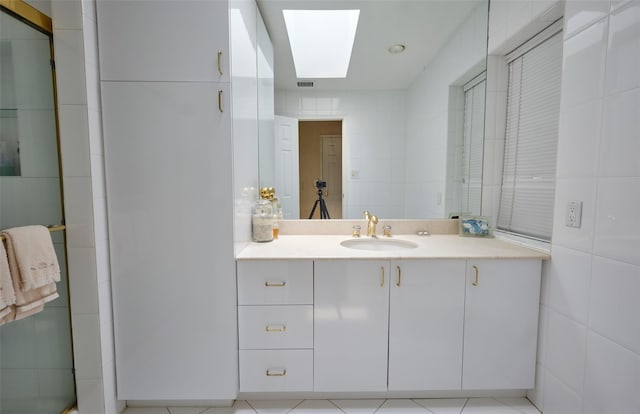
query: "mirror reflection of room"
410, 110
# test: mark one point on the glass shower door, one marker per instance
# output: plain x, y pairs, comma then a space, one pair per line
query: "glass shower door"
36, 360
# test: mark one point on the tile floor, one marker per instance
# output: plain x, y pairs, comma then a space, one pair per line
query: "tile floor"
377, 406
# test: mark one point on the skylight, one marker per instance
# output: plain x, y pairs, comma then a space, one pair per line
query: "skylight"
321, 41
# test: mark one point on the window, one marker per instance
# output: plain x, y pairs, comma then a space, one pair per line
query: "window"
533, 107
473, 139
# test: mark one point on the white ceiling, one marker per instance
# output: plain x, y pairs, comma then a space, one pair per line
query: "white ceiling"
423, 26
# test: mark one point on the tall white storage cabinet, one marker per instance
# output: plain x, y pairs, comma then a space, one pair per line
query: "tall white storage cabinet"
176, 112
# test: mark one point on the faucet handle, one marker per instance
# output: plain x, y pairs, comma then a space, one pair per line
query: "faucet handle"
366, 215
356, 231
386, 231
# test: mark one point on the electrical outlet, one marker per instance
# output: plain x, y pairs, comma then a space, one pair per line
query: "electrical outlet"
574, 214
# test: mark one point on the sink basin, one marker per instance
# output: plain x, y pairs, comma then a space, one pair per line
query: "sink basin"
379, 244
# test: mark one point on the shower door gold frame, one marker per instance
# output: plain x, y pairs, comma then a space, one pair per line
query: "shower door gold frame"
40, 21
30, 14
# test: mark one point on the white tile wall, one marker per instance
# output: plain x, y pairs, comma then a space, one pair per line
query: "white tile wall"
590, 361
612, 378
566, 347
75, 43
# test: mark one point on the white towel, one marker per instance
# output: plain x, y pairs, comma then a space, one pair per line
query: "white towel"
7, 295
33, 268
34, 255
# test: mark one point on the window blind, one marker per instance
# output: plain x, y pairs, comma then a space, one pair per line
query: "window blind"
474, 97
529, 169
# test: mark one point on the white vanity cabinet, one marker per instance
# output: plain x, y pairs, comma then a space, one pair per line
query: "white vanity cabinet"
275, 325
501, 324
407, 325
426, 324
351, 299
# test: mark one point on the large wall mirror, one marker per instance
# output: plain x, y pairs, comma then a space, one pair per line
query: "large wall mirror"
401, 135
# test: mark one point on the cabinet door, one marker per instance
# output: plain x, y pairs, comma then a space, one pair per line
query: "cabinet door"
351, 325
164, 40
501, 324
426, 323
168, 173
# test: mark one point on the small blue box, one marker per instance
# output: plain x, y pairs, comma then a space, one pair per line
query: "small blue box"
474, 226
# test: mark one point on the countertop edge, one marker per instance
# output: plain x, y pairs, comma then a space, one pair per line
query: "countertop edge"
436, 247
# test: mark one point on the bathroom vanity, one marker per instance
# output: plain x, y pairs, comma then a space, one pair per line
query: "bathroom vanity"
450, 314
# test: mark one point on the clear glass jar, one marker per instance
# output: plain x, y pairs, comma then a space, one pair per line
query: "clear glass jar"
262, 221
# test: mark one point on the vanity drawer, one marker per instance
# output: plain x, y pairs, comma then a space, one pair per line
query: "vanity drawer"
275, 327
275, 282
276, 370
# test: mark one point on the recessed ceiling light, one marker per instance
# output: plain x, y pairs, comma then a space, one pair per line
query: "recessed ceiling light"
395, 49
321, 41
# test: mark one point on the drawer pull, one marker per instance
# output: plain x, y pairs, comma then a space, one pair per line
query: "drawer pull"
276, 373
220, 100
475, 283
382, 279
399, 276
220, 62
280, 328
275, 284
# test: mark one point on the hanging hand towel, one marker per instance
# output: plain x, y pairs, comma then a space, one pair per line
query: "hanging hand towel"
33, 252
31, 247
7, 295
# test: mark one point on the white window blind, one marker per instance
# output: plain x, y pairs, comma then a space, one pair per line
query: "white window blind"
474, 97
533, 107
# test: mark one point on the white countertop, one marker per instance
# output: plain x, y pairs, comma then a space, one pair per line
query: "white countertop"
441, 246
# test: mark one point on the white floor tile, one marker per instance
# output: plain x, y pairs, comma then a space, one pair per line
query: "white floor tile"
316, 407
488, 406
187, 410
401, 407
521, 404
273, 406
443, 405
358, 406
240, 407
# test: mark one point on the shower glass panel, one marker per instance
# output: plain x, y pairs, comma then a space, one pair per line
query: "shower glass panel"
36, 360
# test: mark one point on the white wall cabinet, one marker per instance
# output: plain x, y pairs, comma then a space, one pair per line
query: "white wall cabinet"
172, 115
172, 284
351, 299
501, 324
426, 323
164, 40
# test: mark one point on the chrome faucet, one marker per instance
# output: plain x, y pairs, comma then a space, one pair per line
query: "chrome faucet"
371, 223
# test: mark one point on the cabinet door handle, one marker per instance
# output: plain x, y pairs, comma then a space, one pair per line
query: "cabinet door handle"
276, 373
382, 280
220, 100
275, 284
220, 62
475, 282
399, 276
280, 328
